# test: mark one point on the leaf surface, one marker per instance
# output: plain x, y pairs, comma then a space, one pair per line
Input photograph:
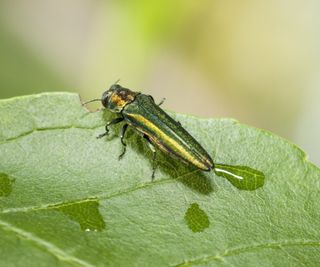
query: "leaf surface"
66, 200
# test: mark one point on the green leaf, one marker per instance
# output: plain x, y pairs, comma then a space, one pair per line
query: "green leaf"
66, 200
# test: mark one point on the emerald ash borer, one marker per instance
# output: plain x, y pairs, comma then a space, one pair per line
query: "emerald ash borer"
140, 111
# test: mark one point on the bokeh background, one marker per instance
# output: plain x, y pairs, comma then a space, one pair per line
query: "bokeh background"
255, 61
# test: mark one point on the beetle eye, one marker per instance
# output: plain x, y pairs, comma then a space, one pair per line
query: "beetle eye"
105, 98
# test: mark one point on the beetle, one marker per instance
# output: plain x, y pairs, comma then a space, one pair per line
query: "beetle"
140, 111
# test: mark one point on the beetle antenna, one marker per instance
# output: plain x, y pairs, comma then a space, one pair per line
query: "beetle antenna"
93, 100
117, 81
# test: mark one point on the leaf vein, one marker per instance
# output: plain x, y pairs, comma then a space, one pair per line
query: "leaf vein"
240, 250
48, 129
97, 197
52, 249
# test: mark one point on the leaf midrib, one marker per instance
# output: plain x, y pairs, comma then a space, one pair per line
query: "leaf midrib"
97, 197
61, 255
239, 250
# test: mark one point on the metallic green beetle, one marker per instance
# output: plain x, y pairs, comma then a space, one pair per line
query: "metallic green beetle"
157, 127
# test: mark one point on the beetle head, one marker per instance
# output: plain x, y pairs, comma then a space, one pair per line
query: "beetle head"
117, 97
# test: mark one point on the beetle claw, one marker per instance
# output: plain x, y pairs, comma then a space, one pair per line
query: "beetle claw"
102, 135
122, 154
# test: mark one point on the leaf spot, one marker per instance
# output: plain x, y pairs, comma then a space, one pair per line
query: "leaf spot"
6, 184
86, 213
197, 220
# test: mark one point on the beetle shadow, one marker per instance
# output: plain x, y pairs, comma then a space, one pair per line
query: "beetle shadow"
188, 175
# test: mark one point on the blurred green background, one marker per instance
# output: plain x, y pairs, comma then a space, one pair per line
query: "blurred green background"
256, 61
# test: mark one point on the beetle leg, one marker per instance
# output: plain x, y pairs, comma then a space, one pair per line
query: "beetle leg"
123, 132
152, 148
115, 121
161, 102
